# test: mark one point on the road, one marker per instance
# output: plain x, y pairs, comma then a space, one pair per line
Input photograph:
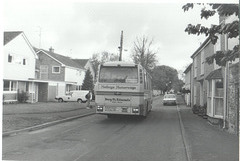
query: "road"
159, 137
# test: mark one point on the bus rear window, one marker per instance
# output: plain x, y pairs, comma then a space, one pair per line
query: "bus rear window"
118, 75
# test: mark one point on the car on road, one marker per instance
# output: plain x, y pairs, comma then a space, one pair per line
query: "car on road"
169, 99
73, 96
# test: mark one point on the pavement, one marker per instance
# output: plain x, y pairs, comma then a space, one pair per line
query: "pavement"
205, 142
28, 117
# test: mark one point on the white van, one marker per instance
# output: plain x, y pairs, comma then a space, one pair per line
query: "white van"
74, 96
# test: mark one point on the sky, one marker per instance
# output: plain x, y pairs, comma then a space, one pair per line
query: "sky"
79, 29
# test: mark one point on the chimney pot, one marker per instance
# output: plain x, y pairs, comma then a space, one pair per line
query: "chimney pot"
51, 49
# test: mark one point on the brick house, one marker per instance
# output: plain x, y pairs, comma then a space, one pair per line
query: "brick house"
61, 72
19, 60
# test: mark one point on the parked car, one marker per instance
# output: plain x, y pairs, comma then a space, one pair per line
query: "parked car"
74, 96
169, 99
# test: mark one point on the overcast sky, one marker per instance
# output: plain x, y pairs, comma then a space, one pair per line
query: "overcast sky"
78, 30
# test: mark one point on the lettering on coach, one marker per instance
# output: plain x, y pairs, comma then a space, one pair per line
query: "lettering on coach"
118, 87
117, 100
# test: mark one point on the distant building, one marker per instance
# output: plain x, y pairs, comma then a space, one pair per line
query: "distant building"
187, 86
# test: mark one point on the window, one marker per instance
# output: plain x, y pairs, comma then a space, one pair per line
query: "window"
43, 72
218, 88
145, 80
114, 74
24, 61
218, 97
44, 69
10, 58
9, 86
17, 59
195, 67
27, 86
55, 69
202, 62
141, 76
217, 46
6, 86
215, 98
195, 94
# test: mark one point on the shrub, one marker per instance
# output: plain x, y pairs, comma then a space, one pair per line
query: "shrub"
195, 109
22, 97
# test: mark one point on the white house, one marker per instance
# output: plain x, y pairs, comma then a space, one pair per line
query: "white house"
86, 64
187, 85
18, 67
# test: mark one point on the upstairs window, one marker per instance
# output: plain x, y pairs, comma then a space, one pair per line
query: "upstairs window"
217, 46
10, 58
17, 59
141, 76
195, 67
55, 69
24, 61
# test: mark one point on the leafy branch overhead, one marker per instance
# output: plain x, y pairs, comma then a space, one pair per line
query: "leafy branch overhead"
229, 29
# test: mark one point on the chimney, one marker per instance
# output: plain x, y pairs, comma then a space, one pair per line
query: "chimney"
51, 49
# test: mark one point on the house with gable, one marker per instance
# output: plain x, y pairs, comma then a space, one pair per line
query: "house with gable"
223, 85
61, 72
200, 70
19, 67
217, 86
86, 64
208, 83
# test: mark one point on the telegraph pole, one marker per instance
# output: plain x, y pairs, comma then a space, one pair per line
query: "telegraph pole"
121, 46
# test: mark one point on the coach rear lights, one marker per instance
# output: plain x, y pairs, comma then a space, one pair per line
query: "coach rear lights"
100, 108
135, 110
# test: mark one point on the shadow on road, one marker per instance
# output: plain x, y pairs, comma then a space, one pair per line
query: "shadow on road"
115, 119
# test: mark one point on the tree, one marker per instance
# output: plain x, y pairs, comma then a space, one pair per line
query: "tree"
95, 63
177, 86
88, 81
230, 29
143, 53
166, 78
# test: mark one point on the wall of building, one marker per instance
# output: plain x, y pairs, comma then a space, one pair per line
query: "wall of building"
187, 86
233, 99
74, 75
19, 49
48, 61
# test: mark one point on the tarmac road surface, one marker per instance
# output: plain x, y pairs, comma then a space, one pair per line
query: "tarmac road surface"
159, 137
